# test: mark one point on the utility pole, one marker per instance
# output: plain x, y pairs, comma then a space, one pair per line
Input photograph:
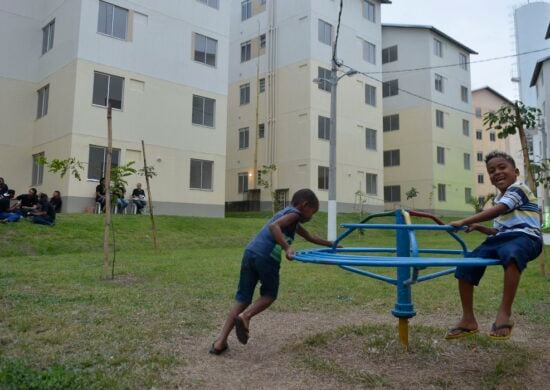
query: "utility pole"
332, 209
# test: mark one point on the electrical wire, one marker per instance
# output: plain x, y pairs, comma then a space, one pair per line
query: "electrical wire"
334, 60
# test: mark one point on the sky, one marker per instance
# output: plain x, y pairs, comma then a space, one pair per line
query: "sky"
486, 26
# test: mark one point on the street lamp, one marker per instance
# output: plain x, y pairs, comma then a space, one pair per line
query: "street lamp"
334, 79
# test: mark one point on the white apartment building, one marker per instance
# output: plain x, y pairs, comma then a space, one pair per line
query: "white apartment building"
427, 119
484, 100
278, 115
162, 66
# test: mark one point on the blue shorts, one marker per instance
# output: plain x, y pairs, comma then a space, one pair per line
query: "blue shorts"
517, 247
256, 268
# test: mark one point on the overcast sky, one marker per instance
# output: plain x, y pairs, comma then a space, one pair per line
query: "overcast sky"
486, 26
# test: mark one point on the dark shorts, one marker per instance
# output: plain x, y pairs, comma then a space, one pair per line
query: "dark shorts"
517, 247
256, 268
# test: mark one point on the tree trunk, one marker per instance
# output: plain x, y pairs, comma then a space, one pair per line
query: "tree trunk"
529, 180
153, 226
107, 217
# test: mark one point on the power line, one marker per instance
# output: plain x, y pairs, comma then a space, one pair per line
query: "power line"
334, 60
460, 64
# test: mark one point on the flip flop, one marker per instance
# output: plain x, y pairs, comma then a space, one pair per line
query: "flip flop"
241, 330
495, 327
214, 351
459, 332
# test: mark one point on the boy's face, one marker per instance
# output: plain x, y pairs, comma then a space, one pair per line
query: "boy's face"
307, 212
502, 173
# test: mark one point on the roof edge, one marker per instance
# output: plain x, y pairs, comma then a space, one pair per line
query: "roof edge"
494, 92
536, 71
433, 29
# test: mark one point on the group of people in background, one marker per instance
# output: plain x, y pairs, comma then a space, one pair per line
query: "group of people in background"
34, 206
118, 194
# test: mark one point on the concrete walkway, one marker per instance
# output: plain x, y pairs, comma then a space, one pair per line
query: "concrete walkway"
546, 238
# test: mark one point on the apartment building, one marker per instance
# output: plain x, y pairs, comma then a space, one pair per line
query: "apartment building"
279, 101
427, 123
161, 65
485, 100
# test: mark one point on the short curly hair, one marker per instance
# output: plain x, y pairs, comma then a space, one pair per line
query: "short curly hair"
496, 153
305, 195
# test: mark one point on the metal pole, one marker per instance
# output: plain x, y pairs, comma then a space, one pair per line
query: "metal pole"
331, 228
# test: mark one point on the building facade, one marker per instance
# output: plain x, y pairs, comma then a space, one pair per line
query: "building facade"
163, 68
427, 119
279, 102
485, 100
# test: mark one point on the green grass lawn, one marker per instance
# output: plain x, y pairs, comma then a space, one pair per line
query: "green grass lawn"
61, 326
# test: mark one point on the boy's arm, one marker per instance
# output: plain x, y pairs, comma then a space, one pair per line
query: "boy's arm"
482, 229
485, 215
314, 239
275, 228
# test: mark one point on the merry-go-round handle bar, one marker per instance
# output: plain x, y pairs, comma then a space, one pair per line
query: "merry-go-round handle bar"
385, 226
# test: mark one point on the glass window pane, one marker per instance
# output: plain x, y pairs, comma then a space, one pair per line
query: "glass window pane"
120, 22
40, 102
200, 48
197, 115
195, 174
116, 89
207, 174
209, 112
101, 82
51, 36
45, 102
44, 39
95, 162
105, 18
211, 49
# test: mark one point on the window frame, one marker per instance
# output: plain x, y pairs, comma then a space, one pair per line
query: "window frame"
370, 95
203, 163
112, 33
244, 94
242, 182
323, 75
205, 52
323, 177
464, 94
108, 96
389, 123
440, 119
371, 180
439, 83
246, 51
369, 52
440, 155
467, 162
389, 53
115, 162
369, 11
261, 85
438, 48
463, 61
48, 35
370, 135
390, 88
208, 3
324, 28
244, 138
392, 192
480, 178
392, 158
467, 194
246, 10
441, 192
37, 176
43, 102
323, 127
479, 134
261, 130
466, 127
204, 113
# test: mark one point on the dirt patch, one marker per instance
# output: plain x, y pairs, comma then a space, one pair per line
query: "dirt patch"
124, 279
360, 350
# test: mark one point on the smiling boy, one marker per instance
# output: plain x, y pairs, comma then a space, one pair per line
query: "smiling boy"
515, 239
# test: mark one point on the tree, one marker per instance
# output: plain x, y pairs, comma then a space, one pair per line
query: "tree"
411, 194
361, 200
479, 203
266, 181
70, 164
516, 118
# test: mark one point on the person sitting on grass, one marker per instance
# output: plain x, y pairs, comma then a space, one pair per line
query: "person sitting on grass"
56, 201
6, 210
45, 213
26, 202
261, 262
138, 197
515, 239
100, 194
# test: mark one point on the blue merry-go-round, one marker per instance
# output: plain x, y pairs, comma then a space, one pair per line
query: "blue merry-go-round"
405, 257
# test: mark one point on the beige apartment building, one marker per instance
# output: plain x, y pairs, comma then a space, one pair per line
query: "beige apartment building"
485, 100
427, 127
279, 102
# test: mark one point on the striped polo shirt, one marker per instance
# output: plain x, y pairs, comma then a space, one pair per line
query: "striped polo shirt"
523, 213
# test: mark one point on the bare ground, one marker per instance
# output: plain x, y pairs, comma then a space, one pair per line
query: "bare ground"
278, 356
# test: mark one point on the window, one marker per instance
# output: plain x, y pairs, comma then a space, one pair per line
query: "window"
200, 177
392, 193
108, 89
322, 178
323, 127
463, 61
245, 94
440, 155
492, 137
112, 20
47, 36
391, 122
246, 51
323, 77
325, 32
389, 54
261, 130
372, 184
439, 119
478, 112
467, 164
441, 193
204, 110
479, 134
466, 127
37, 169
464, 94
246, 9
370, 95
480, 178
244, 135
479, 156
438, 48
210, 3
262, 85
97, 160
262, 41
243, 182
390, 88
439, 83
369, 11
369, 52
392, 158
467, 194
43, 98
205, 49
370, 137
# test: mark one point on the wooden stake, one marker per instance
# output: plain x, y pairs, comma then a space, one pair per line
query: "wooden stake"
107, 217
153, 226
